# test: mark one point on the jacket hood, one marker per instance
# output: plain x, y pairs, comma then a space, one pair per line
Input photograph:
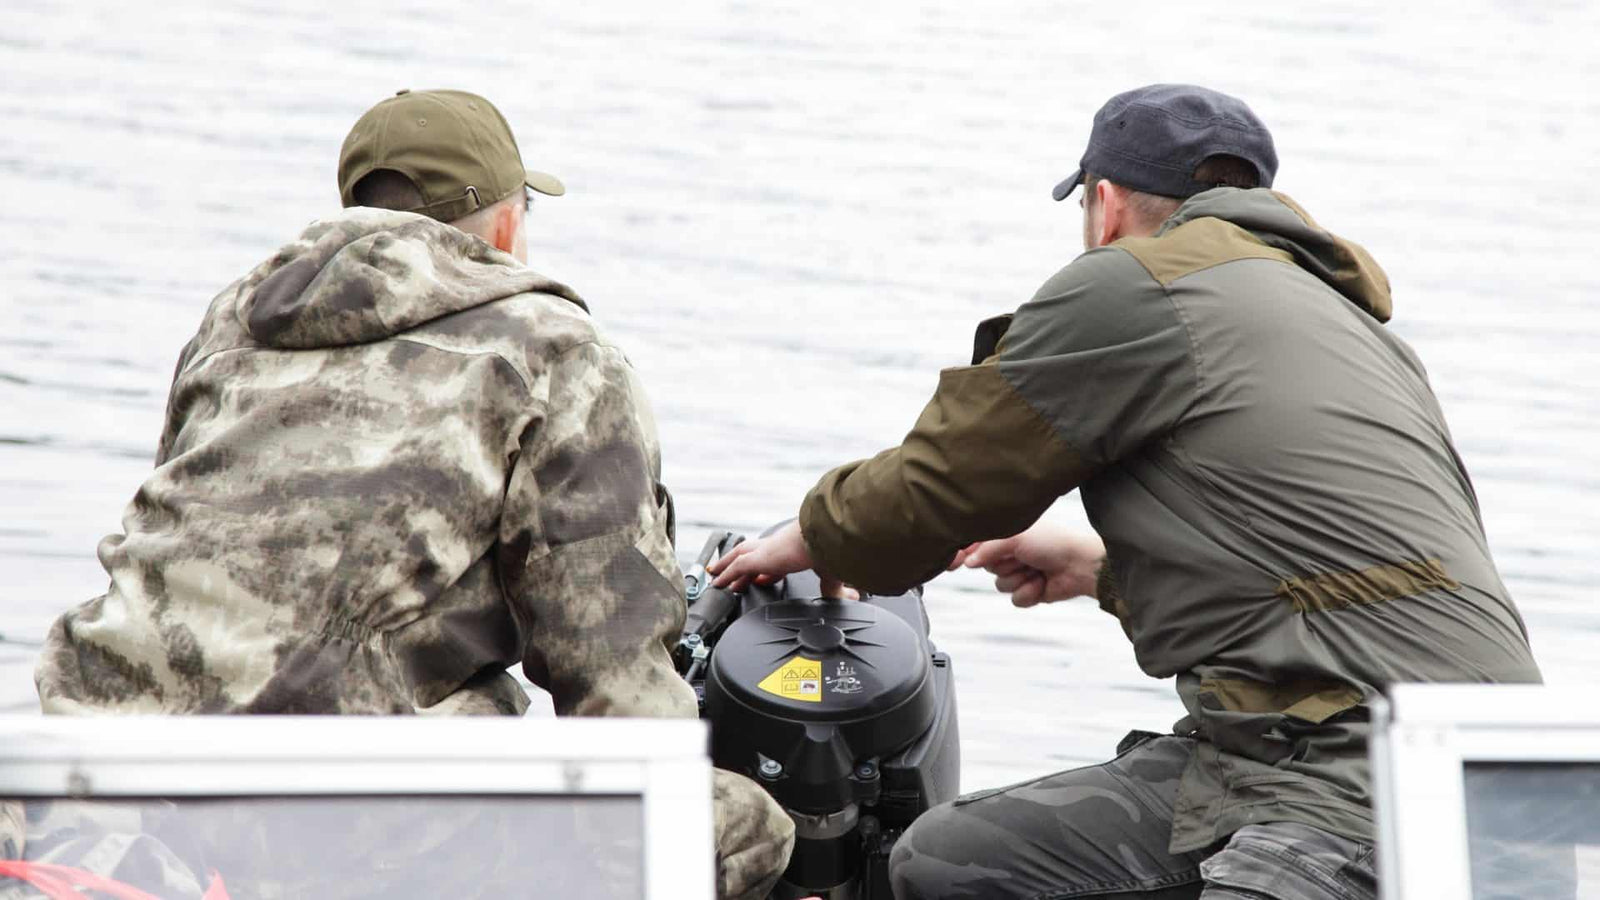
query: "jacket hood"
370, 274
1279, 222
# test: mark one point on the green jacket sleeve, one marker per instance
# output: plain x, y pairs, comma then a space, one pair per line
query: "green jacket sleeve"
980, 463
586, 555
1093, 365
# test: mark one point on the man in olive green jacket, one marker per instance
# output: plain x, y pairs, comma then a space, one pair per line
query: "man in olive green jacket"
1288, 526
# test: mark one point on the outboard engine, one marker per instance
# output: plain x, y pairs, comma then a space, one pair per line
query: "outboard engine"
842, 709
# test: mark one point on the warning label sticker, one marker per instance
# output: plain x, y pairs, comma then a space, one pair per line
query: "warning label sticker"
797, 678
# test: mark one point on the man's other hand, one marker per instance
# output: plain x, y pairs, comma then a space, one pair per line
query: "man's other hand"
1041, 565
766, 559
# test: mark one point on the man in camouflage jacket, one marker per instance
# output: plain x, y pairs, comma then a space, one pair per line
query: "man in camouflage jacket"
395, 461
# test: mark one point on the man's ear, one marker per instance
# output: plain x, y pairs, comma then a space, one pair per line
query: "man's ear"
1113, 211
505, 228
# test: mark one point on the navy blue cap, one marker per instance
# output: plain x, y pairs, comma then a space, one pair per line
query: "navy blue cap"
1152, 138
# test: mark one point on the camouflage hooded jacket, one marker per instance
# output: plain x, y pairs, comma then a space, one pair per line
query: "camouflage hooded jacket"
395, 461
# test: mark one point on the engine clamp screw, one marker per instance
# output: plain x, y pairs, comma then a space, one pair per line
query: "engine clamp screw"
771, 768
866, 770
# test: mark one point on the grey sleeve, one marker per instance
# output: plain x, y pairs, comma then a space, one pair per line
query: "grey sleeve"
1103, 353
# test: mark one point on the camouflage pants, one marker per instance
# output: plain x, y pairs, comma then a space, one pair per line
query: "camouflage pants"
753, 837
1102, 832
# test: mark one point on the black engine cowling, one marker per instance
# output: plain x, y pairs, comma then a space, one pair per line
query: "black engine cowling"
845, 712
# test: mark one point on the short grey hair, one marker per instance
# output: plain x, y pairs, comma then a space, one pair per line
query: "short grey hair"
1221, 170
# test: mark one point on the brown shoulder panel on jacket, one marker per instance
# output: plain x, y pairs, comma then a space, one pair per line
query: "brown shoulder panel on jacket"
1195, 245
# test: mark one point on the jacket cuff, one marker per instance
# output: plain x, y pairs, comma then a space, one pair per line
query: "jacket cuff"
834, 553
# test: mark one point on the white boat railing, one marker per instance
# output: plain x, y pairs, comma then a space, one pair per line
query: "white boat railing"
652, 774
1487, 791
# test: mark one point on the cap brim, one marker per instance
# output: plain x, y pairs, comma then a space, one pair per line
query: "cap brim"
543, 183
1065, 188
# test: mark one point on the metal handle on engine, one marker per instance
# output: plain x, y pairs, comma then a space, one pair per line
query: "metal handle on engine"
709, 607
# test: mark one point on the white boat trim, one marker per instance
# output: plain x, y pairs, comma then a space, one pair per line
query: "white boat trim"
661, 761
1425, 735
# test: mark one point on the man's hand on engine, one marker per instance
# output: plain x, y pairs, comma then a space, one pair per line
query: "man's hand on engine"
766, 559
1041, 565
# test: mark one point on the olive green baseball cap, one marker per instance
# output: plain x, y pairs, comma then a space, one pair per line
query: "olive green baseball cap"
455, 147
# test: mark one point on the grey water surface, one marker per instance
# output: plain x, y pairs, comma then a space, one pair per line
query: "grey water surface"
791, 214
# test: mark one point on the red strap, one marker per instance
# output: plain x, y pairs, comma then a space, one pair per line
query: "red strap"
47, 884
217, 890
59, 882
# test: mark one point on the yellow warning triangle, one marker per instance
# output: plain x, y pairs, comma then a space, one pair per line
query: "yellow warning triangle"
796, 678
